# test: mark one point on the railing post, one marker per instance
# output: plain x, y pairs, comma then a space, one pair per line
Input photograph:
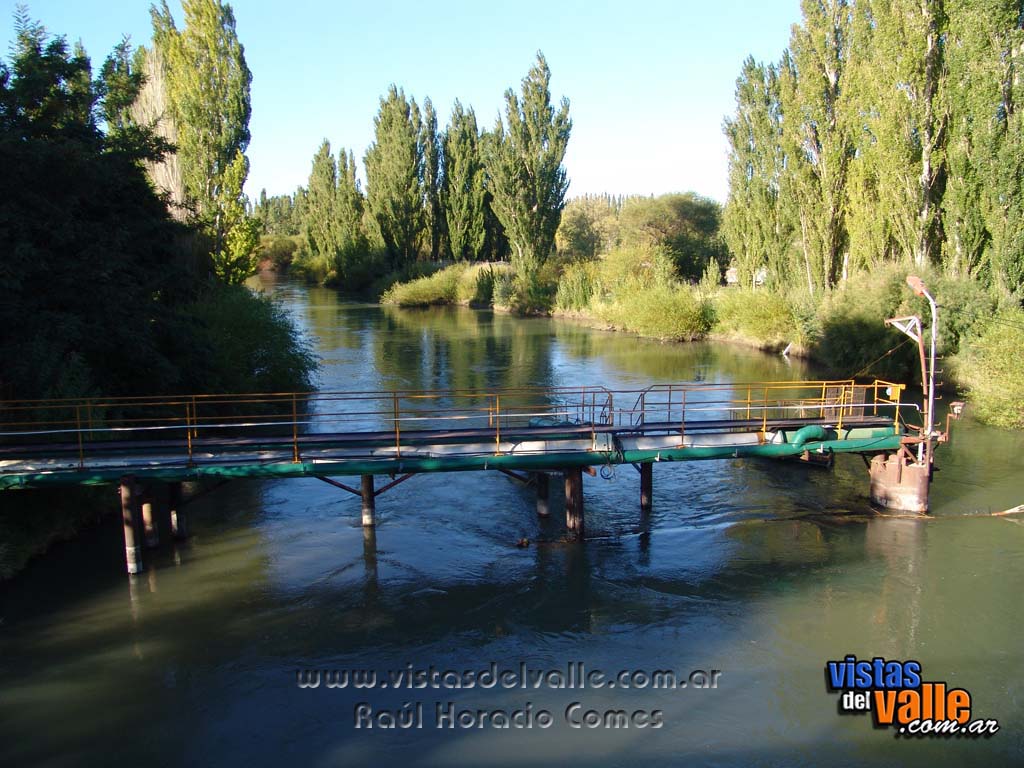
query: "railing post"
78, 421
398, 428
188, 432
682, 420
497, 425
295, 430
764, 414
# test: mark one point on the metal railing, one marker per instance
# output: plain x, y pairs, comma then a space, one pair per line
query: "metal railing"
186, 423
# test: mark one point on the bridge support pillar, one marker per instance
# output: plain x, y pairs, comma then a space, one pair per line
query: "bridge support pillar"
130, 520
179, 518
369, 501
543, 482
149, 526
646, 486
574, 501
899, 482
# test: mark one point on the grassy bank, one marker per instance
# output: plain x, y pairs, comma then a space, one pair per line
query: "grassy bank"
637, 290
463, 283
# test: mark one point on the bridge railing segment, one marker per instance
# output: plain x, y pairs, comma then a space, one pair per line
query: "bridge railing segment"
290, 421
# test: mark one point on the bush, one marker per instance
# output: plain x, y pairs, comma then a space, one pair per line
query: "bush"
504, 288
675, 313
760, 316
439, 288
279, 250
854, 338
576, 287
989, 366
250, 342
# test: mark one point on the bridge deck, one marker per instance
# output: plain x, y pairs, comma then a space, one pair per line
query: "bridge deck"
322, 434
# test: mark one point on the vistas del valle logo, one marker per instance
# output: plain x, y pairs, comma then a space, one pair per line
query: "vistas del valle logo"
897, 697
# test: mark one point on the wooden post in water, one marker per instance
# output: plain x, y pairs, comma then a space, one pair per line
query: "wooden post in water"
179, 518
369, 501
543, 490
129, 518
152, 533
646, 486
574, 501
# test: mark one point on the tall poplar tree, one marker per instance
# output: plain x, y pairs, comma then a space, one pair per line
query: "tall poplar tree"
817, 135
525, 173
208, 93
318, 219
986, 64
394, 168
433, 213
463, 188
755, 222
904, 124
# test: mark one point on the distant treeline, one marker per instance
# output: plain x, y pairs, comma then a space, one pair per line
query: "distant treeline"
459, 193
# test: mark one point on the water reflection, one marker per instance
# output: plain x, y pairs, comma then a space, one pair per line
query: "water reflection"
762, 569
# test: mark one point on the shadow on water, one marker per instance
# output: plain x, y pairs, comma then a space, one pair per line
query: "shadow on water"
760, 569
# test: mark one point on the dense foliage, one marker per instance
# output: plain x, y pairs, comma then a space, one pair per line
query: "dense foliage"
102, 291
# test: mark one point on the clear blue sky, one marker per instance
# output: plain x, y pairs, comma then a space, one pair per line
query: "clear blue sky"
649, 81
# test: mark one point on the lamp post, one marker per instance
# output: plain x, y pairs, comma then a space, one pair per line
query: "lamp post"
917, 286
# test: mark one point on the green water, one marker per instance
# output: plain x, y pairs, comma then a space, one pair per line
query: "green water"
762, 570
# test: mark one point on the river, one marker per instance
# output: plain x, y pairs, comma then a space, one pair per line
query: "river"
761, 570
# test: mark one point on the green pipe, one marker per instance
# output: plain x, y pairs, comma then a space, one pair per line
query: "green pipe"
855, 440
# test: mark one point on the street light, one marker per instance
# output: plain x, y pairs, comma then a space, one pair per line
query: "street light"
917, 286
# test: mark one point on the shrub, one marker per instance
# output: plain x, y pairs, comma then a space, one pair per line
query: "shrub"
439, 288
250, 342
576, 287
675, 313
504, 288
989, 366
279, 250
761, 316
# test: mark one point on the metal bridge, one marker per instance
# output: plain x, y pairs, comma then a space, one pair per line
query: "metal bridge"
536, 431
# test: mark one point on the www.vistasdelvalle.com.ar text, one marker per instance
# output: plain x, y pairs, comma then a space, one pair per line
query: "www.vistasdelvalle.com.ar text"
573, 676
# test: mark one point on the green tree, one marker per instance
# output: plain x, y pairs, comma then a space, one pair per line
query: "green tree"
432, 169
817, 135
685, 225
394, 168
321, 191
985, 61
208, 85
525, 173
901, 146
463, 188
755, 223
350, 207
74, 201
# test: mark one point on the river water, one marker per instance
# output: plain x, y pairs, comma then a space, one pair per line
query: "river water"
759, 569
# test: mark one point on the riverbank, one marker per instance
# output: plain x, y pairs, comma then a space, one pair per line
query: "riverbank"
843, 330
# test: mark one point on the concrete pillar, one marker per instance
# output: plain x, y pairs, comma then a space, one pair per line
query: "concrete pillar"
899, 482
179, 517
574, 501
646, 486
369, 501
152, 533
543, 490
130, 520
